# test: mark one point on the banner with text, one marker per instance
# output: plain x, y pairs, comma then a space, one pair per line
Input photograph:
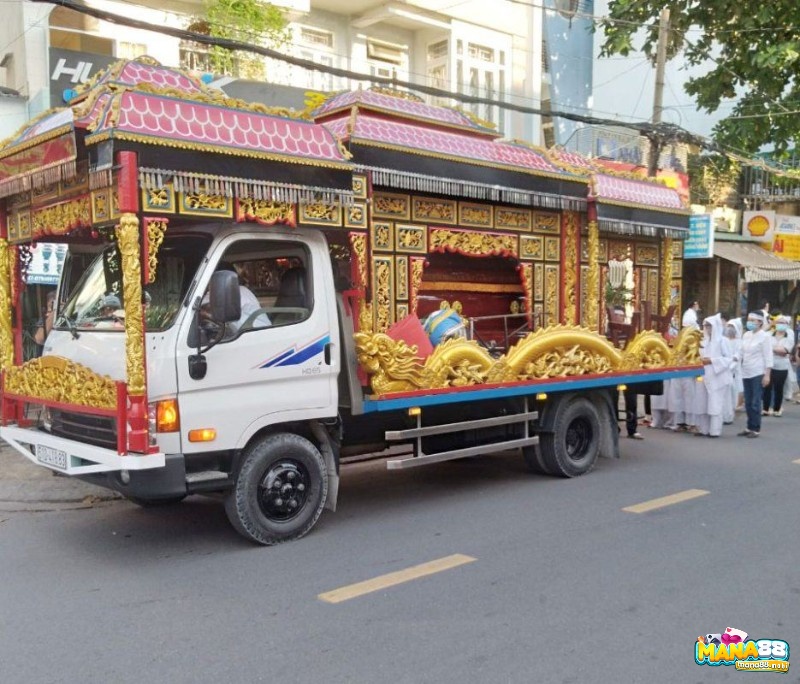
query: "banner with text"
700, 243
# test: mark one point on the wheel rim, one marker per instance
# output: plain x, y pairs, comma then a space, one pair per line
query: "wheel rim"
283, 491
578, 439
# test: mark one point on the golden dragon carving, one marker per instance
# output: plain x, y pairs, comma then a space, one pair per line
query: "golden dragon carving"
552, 352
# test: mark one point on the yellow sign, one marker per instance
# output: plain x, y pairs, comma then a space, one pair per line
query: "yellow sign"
786, 245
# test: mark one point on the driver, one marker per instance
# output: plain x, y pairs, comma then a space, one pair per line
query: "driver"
249, 304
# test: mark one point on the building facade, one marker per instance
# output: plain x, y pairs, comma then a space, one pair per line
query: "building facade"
505, 52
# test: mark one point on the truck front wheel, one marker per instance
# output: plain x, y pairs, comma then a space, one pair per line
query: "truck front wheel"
279, 491
572, 447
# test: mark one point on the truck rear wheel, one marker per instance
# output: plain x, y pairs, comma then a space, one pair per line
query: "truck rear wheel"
572, 447
280, 489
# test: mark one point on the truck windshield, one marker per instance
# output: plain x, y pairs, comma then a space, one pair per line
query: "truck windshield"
97, 301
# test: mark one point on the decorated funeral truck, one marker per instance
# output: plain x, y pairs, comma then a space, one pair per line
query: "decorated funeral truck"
253, 296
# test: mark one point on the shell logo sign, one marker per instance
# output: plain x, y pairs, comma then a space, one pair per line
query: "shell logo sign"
759, 225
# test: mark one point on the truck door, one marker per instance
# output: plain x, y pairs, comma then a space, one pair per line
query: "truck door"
279, 361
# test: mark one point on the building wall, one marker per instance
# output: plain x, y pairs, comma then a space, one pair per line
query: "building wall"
515, 28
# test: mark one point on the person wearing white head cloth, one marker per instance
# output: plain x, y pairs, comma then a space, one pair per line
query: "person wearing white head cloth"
710, 394
734, 399
781, 365
756, 370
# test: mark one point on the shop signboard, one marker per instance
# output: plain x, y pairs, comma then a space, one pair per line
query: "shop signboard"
759, 226
700, 243
47, 259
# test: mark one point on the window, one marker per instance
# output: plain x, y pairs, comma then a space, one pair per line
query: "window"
274, 287
481, 72
97, 301
438, 50
316, 38
126, 50
386, 52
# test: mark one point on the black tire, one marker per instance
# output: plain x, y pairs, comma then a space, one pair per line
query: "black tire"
534, 461
572, 447
280, 490
154, 503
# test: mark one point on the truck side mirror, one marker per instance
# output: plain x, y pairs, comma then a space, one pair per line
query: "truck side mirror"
223, 297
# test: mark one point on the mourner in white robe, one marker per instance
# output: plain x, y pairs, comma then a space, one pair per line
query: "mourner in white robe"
733, 333
710, 394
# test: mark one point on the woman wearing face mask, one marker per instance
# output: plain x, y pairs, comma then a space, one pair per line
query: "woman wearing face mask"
710, 394
734, 398
781, 351
756, 367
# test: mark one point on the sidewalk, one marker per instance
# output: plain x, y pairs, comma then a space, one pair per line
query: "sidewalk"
27, 487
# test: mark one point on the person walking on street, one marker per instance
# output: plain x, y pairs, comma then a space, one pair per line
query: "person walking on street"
756, 369
710, 395
781, 364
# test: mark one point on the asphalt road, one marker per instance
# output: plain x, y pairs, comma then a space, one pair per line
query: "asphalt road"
565, 585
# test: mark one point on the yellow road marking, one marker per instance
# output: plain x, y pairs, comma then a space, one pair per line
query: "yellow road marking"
653, 504
393, 578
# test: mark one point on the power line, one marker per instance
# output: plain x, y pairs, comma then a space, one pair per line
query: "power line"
656, 133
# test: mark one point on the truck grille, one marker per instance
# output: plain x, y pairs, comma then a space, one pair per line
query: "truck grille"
98, 430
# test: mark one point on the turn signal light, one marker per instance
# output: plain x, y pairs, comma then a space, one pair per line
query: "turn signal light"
167, 416
202, 435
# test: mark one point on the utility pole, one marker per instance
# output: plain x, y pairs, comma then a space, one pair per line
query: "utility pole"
658, 97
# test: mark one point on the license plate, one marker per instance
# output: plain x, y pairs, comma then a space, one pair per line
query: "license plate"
52, 457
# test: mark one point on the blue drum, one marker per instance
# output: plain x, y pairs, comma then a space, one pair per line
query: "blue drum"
443, 325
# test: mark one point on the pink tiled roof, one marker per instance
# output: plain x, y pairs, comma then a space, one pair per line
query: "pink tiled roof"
430, 141
185, 121
613, 189
401, 107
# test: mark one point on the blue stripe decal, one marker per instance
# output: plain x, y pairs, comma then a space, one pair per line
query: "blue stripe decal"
373, 406
280, 357
295, 356
305, 354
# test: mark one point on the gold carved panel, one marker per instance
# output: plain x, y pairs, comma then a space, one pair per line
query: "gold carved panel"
411, 239
646, 255
513, 219
61, 218
320, 214
359, 187
546, 222
161, 200
355, 216
433, 210
204, 204
538, 282
472, 243
402, 311
401, 277
531, 247
382, 236
101, 205
552, 249
12, 223
602, 250
477, 215
551, 288
265, 212
383, 292
391, 206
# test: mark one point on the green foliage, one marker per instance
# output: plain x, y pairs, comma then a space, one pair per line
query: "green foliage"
712, 179
618, 296
752, 51
247, 21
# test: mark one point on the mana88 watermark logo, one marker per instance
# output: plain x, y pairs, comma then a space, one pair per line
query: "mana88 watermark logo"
733, 647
